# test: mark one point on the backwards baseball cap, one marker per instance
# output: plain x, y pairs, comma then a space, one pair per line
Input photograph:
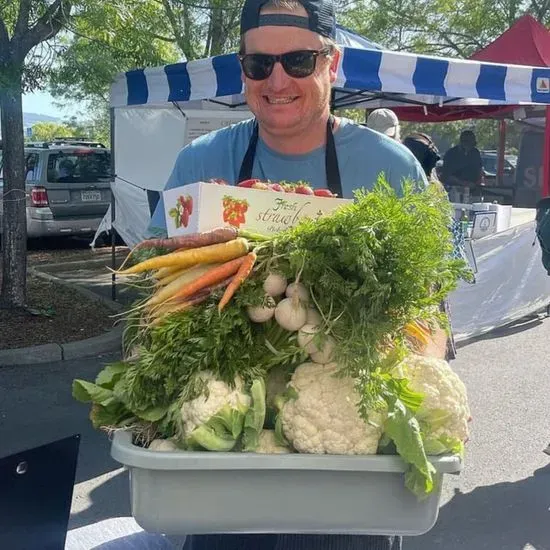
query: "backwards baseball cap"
320, 17
384, 121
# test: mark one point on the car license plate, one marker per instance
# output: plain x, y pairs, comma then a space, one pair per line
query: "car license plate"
90, 196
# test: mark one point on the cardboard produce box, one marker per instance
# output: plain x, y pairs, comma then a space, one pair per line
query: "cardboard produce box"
202, 206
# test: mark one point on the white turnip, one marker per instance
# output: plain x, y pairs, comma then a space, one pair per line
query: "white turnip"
275, 284
298, 289
313, 317
291, 314
262, 314
306, 336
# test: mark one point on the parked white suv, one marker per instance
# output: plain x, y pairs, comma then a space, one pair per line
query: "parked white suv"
68, 187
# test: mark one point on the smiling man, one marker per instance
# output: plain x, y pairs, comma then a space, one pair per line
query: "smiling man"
289, 63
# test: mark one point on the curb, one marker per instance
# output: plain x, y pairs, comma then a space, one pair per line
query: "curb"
48, 353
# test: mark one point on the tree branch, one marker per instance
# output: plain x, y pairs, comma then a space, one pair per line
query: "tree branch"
175, 25
46, 27
22, 18
162, 38
4, 39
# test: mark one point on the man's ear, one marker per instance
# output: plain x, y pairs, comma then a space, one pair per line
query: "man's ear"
334, 63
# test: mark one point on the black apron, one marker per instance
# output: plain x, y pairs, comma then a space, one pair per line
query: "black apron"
331, 160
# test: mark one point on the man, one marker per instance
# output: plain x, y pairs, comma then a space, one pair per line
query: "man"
462, 165
386, 122
289, 62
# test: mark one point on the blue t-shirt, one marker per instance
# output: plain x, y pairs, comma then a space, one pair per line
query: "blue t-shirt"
362, 155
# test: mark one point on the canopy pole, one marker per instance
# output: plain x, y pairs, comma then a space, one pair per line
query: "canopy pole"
546, 156
501, 150
113, 232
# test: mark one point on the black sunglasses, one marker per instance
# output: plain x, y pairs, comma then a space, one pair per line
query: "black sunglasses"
298, 64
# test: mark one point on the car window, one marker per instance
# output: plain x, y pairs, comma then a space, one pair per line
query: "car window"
490, 164
32, 167
79, 166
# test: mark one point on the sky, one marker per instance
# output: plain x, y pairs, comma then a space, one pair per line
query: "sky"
42, 103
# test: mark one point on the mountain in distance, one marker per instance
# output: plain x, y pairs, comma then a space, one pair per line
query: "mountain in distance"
32, 118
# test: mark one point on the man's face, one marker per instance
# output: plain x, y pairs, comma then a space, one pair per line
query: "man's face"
282, 104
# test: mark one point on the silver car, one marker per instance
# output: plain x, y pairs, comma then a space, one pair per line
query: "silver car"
68, 187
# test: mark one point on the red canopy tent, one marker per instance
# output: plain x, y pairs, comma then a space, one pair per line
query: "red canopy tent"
526, 42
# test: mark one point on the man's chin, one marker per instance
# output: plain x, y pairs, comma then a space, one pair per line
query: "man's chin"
282, 125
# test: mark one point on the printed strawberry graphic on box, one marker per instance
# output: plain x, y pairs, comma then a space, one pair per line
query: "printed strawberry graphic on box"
182, 211
234, 210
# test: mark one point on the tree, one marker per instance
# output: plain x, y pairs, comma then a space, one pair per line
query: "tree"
441, 27
47, 131
24, 24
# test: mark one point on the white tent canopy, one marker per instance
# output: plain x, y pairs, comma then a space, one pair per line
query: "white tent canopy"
156, 111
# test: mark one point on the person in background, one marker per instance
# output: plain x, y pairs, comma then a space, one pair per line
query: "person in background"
462, 165
386, 122
426, 152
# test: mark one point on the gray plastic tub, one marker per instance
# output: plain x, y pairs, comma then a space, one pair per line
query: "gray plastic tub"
179, 493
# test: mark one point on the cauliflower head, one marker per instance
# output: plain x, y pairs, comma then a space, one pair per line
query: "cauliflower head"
214, 420
324, 418
216, 396
268, 444
444, 413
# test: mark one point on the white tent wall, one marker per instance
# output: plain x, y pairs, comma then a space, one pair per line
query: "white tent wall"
147, 141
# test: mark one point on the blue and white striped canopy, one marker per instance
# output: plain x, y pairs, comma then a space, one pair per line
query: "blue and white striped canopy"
368, 76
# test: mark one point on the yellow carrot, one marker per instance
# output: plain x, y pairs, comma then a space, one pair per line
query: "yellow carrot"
164, 272
169, 278
222, 252
168, 309
242, 274
416, 331
190, 275
211, 277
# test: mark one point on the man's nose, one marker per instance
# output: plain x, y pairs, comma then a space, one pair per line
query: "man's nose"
278, 79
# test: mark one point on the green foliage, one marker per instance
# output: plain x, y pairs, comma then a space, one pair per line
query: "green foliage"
441, 27
373, 266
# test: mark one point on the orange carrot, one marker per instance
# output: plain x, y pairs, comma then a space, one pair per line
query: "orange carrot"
211, 277
221, 252
189, 275
240, 277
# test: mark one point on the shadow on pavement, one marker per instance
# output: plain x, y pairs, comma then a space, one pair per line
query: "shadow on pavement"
504, 516
522, 325
110, 499
37, 407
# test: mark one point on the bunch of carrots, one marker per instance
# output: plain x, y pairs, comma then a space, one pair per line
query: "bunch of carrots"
195, 266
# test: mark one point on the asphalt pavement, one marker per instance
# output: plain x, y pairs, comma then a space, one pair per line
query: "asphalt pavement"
500, 502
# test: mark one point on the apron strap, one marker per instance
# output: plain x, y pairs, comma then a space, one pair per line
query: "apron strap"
245, 173
332, 170
334, 183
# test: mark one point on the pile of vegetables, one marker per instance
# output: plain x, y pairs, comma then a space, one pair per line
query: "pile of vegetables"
309, 341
